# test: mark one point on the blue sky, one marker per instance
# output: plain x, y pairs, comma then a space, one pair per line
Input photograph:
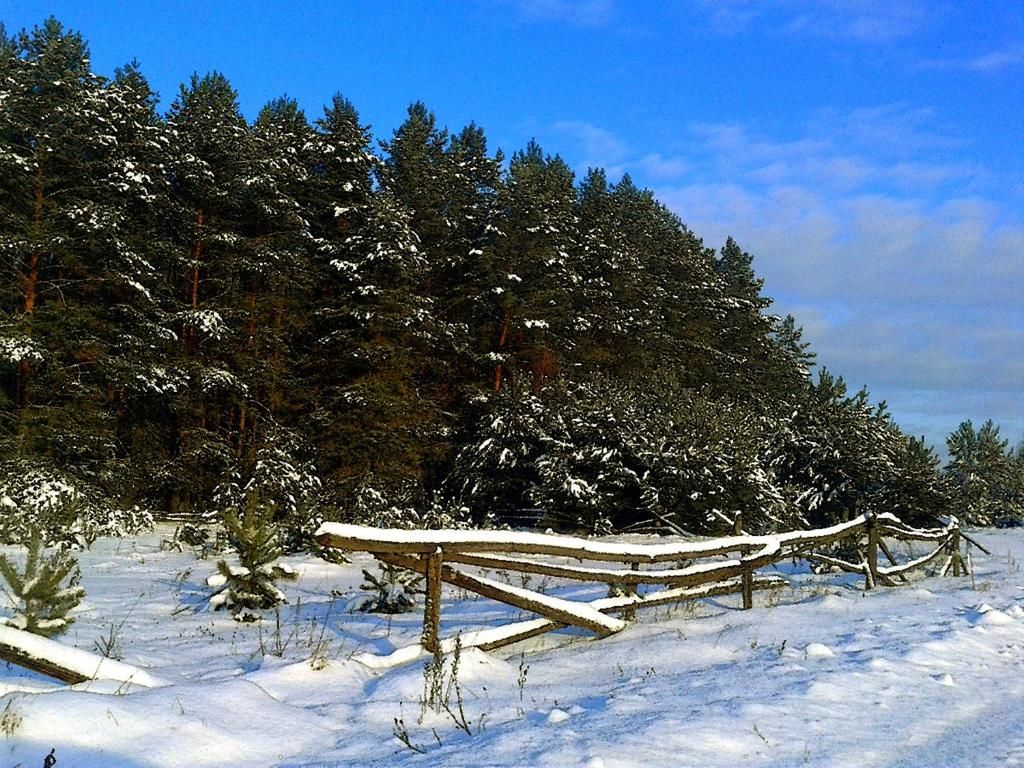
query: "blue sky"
867, 152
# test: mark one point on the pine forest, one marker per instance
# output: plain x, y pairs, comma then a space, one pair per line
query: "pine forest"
415, 330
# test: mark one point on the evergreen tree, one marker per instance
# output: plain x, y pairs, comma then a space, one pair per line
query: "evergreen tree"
980, 471
374, 323
209, 164
77, 203
40, 599
840, 453
250, 587
917, 493
416, 173
532, 321
495, 470
610, 303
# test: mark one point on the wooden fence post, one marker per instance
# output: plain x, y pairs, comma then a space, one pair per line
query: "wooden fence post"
748, 586
954, 548
748, 575
872, 555
432, 609
630, 613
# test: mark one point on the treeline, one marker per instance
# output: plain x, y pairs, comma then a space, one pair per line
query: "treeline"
414, 331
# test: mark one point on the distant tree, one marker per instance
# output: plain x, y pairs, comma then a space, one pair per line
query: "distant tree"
917, 493
537, 270
981, 472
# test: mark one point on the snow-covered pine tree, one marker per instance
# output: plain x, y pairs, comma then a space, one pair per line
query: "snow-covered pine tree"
605, 304
209, 160
590, 477
980, 473
537, 270
274, 265
77, 191
447, 184
791, 360
841, 453
249, 587
744, 330
493, 473
463, 269
917, 493
373, 322
416, 173
392, 589
280, 473
40, 598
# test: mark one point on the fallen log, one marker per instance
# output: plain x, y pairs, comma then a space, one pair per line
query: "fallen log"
67, 664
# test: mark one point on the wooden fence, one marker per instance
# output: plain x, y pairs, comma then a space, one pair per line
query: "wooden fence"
683, 570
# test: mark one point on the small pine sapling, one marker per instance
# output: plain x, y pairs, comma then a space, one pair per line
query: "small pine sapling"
395, 590
40, 600
250, 586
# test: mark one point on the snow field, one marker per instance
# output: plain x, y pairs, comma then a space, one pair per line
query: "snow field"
819, 673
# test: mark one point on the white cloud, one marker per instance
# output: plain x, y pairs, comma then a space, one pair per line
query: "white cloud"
1010, 55
894, 129
998, 60
903, 263
658, 167
582, 13
901, 280
595, 147
866, 21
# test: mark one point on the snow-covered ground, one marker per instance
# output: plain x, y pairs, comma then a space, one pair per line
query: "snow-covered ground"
819, 673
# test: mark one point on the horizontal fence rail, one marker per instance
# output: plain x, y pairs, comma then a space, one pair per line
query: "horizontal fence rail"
698, 569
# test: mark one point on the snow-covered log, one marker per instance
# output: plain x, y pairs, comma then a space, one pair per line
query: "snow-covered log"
361, 538
913, 564
697, 573
553, 608
67, 664
494, 638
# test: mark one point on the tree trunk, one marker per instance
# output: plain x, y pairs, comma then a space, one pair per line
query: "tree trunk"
197, 253
241, 430
31, 285
544, 367
252, 317
32, 273
502, 342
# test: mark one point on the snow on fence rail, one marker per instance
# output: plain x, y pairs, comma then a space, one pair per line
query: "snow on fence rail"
699, 569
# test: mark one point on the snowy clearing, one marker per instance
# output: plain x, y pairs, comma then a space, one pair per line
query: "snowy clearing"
819, 673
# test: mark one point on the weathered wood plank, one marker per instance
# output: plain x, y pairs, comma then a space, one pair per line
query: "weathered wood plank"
554, 608
374, 540
696, 573
889, 556
954, 548
919, 562
914, 534
871, 559
634, 602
